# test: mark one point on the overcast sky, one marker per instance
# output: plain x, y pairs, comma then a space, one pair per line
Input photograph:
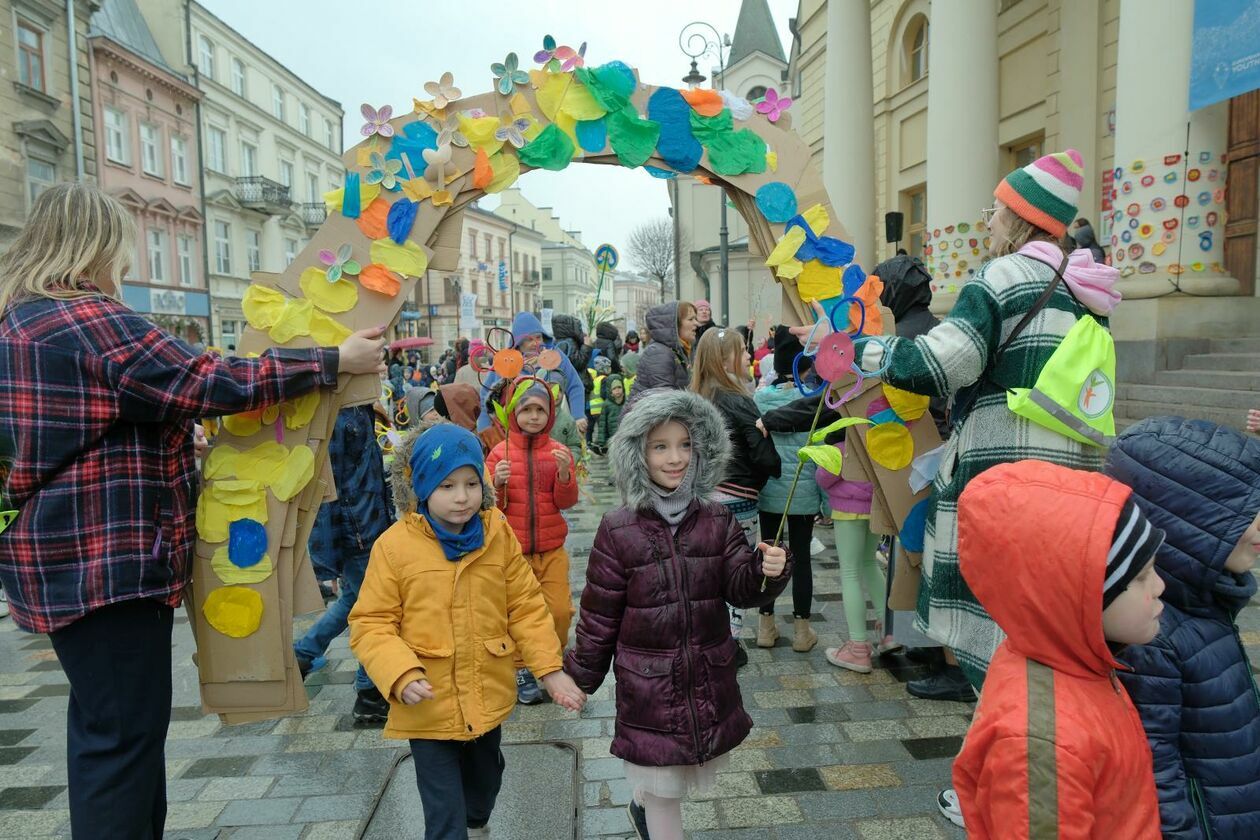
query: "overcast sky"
383, 52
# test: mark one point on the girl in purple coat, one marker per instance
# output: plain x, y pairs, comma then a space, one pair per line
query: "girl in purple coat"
663, 568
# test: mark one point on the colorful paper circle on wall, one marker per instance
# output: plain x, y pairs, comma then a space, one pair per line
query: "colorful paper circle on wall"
1170, 177
1181, 201
1138, 166
1158, 204
1219, 196
776, 201
1211, 218
1196, 266
1147, 180
1159, 248
1169, 236
1146, 267
1126, 236
1126, 187
230, 573
1136, 250
890, 446
247, 542
964, 227
1145, 230
1205, 240
234, 611
1194, 174
1170, 160
1171, 223
1192, 221
1133, 209
1133, 224
1204, 198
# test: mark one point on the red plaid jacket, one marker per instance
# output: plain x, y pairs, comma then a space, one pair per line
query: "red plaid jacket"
96, 409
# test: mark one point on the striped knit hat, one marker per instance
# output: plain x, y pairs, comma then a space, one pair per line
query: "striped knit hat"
1135, 542
1046, 191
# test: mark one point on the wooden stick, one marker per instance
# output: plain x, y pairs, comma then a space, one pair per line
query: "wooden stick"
800, 465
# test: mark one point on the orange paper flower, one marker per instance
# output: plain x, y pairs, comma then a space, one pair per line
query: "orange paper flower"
372, 219
483, 173
705, 102
869, 295
378, 278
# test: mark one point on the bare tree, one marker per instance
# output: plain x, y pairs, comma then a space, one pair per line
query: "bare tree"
652, 250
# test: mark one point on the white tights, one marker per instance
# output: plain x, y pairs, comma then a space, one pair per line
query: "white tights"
664, 815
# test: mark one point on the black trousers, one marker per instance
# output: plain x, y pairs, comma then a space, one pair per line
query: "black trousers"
459, 782
800, 533
118, 661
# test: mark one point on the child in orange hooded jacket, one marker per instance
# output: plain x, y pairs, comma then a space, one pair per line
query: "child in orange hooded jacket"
1063, 561
535, 479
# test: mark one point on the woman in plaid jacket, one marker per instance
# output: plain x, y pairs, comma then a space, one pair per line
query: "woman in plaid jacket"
97, 406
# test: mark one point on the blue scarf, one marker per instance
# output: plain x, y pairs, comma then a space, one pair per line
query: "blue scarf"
436, 454
456, 545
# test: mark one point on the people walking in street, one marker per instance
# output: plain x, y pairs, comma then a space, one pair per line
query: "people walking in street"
341, 541
773, 502
661, 569
630, 360
99, 405
528, 337
720, 375
1193, 685
610, 418
666, 361
534, 480
1064, 562
443, 653
704, 319
601, 368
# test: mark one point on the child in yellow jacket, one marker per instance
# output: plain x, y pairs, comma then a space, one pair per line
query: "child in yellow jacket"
446, 602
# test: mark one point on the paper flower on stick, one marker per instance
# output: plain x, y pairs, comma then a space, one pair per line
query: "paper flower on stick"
508, 74
451, 135
435, 161
383, 172
513, 131
443, 90
773, 105
377, 120
560, 59
339, 263
508, 362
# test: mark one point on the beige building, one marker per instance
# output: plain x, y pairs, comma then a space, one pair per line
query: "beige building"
959, 92
632, 296
271, 148
568, 274
47, 134
500, 266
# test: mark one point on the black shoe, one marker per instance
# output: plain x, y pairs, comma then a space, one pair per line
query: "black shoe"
370, 707
304, 667
741, 654
949, 684
933, 657
638, 819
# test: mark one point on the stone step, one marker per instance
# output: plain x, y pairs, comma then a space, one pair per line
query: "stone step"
1134, 410
1241, 344
1229, 380
1222, 361
1192, 398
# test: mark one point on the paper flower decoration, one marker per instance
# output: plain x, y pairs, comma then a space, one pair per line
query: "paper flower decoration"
773, 105
513, 131
384, 172
339, 263
377, 120
450, 133
435, 164
508, 74
443, 90
560, 59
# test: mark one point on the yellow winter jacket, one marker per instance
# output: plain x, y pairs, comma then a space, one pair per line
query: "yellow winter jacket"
455, 624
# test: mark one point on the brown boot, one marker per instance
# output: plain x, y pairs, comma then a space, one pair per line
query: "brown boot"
804, 638
767, 632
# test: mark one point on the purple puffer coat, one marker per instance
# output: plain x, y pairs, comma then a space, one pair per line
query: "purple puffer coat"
655, 602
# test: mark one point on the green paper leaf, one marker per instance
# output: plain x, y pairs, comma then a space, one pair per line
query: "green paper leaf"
551, 149
730, 152
632, 137
825, 456
517, 394
501, 413
843, 423
607, 85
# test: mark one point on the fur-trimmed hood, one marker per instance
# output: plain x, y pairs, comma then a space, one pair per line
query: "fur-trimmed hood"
709, 442
400, 480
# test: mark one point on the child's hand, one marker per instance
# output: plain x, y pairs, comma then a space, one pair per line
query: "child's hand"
417, 690
1253, 420
502, 471
773, 559
564, 464
564, 691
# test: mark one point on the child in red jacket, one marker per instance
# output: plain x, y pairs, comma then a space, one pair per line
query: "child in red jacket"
1064, 563
535, 480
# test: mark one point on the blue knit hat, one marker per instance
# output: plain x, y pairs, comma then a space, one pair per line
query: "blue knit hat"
439, 452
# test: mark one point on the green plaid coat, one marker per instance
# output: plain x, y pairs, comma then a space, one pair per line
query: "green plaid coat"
949, 361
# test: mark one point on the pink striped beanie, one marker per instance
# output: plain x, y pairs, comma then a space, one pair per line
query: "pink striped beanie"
1046, 191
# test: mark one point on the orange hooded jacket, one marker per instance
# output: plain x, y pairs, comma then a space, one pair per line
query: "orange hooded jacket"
534, 495
1056, 749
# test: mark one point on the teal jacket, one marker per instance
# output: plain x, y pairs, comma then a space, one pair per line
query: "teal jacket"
773, 499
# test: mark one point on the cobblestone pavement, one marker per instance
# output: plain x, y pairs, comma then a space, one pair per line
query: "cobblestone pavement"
833, 754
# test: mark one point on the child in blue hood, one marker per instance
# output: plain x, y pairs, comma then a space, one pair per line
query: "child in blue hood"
529, 337
1193, 685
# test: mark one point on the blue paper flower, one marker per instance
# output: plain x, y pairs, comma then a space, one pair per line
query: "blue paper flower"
508, 75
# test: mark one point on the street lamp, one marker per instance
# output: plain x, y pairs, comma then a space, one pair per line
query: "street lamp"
694, 41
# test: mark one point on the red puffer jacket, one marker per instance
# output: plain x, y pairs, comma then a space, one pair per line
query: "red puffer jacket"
534, 495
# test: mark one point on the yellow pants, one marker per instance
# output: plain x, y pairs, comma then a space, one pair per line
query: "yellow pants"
552, 570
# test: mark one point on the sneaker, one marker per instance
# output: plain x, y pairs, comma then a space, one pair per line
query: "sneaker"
478, 833
949, 684
527, 691
816, 546
852, 656
888, 644
304, 666
4, 604
638, 819
947, 802
370, 707
326, 592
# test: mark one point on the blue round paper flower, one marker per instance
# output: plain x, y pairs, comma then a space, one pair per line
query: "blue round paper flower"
508, 74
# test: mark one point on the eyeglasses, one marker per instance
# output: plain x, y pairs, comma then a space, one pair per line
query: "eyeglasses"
987, 214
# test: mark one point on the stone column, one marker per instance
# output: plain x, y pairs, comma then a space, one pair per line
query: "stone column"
849, 125
1154, 240
962, 134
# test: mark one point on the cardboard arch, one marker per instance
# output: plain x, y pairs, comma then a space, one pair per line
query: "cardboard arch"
254, 676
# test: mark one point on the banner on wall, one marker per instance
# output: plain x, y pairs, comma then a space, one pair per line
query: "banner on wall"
546, 321
1225, 52
467, 311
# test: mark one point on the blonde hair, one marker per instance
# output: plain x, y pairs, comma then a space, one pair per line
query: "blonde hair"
76, 233
716, 353
1019, 232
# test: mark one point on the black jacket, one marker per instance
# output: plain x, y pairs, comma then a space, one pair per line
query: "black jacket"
754, 460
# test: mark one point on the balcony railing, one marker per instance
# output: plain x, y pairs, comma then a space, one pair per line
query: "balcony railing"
264, 194
313, 214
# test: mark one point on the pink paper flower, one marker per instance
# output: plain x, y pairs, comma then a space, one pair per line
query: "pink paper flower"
773, 105
377, 120
560, 59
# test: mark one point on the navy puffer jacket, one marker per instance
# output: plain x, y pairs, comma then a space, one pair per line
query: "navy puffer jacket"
1193, 684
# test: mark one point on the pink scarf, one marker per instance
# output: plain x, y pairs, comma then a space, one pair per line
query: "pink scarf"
1094, 284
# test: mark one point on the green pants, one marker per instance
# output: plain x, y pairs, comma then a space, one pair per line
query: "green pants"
855, 544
